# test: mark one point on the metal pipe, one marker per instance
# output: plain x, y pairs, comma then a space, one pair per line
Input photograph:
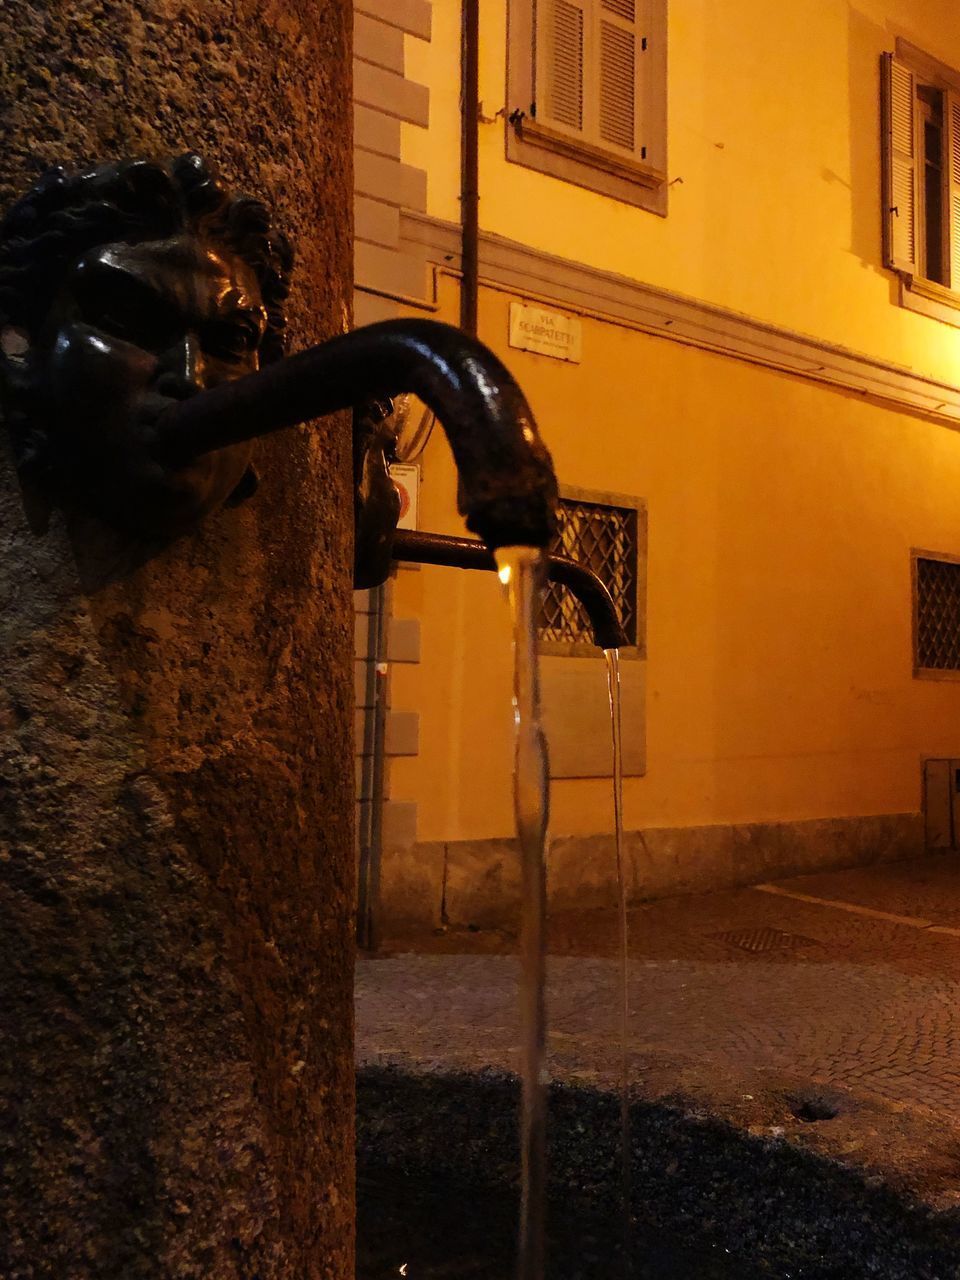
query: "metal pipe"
508, 485
374, 764
467, 553
470, 164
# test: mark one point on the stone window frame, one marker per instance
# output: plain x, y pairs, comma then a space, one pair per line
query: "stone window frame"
915, 292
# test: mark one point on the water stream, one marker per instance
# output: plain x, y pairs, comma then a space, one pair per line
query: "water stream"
612, 657
521, 570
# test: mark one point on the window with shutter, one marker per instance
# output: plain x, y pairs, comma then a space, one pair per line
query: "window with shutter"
587, 91
953, 186
561, 64
921, 180
617, 90
900, 186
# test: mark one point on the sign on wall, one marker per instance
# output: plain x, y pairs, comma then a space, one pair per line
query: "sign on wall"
549, 333
406, 478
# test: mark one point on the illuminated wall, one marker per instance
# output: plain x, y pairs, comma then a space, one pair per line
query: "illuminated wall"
774, 129
782, 513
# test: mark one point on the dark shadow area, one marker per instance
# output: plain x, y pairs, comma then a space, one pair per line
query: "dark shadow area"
433, 1230
438, 1173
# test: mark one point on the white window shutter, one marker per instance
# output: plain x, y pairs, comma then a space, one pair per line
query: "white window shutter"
899, 165
562, 44
952, 113
618, 47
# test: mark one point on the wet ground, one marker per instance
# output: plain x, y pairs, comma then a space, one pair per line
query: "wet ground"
814, 1021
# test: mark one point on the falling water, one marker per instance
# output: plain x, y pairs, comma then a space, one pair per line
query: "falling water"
521, 572
613, 687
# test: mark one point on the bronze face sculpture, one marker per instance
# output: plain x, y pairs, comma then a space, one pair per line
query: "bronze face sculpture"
128, 290
123, 291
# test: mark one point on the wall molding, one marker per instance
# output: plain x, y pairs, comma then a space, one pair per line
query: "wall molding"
515, 268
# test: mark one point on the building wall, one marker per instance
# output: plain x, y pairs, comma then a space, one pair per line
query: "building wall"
773, 127
783, 726
385, 99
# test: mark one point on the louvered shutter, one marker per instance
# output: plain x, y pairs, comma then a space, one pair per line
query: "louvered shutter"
562, 43
617, 56
899, 165
952, 113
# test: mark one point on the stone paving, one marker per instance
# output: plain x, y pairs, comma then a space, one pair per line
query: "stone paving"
841, 997
735, 998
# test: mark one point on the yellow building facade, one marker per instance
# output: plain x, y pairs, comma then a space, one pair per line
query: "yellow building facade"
778, 402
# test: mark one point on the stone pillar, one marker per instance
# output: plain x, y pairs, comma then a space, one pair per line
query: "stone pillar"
176, 796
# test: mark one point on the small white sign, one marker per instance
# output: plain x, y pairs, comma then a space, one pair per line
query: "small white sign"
406, 478
549, 333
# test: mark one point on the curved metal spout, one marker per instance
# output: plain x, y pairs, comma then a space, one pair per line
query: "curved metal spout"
466, 553
509, 487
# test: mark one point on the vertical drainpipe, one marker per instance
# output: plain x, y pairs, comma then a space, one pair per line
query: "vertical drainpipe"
469, 162
469, 172
374, 771
469, 207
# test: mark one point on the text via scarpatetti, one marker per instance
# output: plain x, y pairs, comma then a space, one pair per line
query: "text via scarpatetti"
548, 333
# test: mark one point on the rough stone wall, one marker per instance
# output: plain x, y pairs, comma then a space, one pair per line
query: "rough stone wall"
176, 1075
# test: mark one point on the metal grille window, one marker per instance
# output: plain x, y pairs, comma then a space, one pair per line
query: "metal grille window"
937, 606
606, 539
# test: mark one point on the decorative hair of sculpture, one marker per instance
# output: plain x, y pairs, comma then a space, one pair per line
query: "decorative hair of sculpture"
122, 290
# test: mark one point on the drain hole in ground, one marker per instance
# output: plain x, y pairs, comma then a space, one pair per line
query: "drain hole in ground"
814, 1107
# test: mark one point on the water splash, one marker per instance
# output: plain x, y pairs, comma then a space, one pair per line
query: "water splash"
521, 570
612, 657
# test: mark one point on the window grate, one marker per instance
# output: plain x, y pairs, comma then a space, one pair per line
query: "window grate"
605, 539
938, 615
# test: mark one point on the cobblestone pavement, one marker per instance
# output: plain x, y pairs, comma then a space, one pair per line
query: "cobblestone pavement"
849, 983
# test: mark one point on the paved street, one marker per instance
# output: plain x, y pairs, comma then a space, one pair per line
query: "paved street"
839, 986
